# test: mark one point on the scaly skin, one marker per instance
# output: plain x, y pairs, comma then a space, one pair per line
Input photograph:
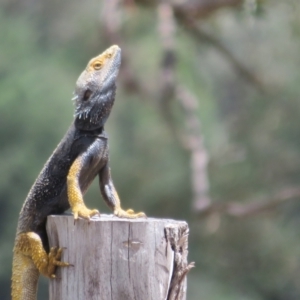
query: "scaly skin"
81, 155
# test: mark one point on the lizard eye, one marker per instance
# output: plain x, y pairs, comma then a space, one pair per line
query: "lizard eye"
87, 95
97, 65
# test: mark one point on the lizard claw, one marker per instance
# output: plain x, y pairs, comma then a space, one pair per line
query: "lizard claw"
84, 212
129, 213
54, 261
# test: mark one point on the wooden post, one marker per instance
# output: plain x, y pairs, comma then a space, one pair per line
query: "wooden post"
119, 259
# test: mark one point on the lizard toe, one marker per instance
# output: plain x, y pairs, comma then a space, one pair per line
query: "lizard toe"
128, 214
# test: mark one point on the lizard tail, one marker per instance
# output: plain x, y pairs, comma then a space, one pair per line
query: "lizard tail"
24, 277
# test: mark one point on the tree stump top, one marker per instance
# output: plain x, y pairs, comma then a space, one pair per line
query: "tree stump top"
117, 258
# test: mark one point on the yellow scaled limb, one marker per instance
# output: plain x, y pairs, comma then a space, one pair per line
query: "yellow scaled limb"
30, 259
29, 244
75, 195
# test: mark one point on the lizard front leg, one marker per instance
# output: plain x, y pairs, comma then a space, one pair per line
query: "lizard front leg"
74, 192
30, 259
111, 197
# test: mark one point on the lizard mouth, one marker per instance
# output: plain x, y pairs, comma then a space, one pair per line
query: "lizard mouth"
87, 94
95, 108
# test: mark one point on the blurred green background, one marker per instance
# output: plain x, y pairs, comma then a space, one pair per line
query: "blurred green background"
240, 61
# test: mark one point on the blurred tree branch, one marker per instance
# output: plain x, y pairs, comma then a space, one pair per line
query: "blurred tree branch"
187, 14
253, 208
193, 141
111, 21
191, 138
239, 68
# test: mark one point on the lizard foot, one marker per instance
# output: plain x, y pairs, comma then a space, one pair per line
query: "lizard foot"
84, 212
129, 213
54, 261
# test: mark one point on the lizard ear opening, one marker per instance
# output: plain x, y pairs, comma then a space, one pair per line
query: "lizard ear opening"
87, 95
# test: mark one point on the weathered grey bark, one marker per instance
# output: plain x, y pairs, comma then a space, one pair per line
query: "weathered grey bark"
120, 259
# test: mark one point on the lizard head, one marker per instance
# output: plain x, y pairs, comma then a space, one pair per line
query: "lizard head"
95, 89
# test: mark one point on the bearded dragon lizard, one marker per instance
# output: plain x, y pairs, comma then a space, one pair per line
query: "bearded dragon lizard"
81, 155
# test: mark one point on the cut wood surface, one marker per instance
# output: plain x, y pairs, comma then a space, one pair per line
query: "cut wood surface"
119, 259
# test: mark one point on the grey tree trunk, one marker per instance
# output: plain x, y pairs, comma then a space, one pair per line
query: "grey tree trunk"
119, 259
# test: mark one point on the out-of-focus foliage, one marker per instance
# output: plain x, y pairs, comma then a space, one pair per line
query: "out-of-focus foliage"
252, 138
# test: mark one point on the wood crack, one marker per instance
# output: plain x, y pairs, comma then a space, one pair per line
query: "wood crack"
177, 239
